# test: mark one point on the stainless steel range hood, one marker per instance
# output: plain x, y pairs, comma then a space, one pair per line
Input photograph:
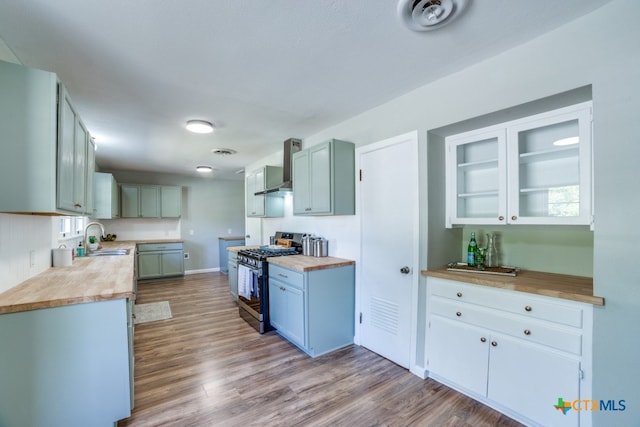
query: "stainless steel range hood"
291, 145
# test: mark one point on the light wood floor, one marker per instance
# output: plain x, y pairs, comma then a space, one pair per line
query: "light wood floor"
207, 367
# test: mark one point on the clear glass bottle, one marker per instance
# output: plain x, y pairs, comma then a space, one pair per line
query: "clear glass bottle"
491, 257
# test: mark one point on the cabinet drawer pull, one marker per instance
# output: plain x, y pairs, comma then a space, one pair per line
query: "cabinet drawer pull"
78, 205
483, 339
458, 313
459, 294
282, 288
494, 344
527, 332
283, 275
307, 209
527, 308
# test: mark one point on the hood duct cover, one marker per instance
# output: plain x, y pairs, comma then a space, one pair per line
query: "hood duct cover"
426, 15
291, 145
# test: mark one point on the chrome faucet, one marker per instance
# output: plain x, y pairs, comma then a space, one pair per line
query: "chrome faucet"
86, 228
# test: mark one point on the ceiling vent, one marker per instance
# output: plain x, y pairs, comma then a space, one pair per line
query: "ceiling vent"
427, 15
223, 151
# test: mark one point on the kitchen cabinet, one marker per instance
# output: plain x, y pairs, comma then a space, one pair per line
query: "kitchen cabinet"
107, 196
513, 351
223, 244
324, 179
232, 268
150, 201
156, 260
66, 366
314, 309
264, 206
535, 170
48, 155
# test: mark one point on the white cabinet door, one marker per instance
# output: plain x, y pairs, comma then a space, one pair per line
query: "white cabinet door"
550, 169
301, 196
66, 153
529, 380
320, 178
477, 178
462, 354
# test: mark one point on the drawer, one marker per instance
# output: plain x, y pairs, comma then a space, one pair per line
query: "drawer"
531, 330
287, 276
529, 305
154, 247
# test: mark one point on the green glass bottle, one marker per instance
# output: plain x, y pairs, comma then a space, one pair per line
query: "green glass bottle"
471, 251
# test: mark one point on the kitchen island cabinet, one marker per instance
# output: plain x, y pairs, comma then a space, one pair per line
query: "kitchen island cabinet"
67, 353
313, 308
516, 352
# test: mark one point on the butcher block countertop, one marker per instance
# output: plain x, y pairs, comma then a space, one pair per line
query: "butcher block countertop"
575, 288
241, 248
89, 279
309, 263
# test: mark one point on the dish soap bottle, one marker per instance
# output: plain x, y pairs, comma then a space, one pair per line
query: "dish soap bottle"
471, 251
80, 249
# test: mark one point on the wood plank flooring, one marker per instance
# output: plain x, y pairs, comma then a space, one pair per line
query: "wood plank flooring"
207, 367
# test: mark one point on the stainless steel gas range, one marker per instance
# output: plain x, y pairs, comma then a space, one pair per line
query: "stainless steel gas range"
253, 279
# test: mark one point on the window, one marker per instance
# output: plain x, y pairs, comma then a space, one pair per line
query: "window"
72, 226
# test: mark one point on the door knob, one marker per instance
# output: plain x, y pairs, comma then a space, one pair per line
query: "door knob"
405, 270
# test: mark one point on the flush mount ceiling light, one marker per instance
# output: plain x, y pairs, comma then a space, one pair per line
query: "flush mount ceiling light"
223, 151
199, 126
204, 168
426, 15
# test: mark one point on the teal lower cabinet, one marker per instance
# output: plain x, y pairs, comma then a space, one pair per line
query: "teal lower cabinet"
66, 366
157, 260
313, 309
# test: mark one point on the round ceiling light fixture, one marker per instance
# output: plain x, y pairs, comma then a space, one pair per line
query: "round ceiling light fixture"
204, 168
427, 15
199, 126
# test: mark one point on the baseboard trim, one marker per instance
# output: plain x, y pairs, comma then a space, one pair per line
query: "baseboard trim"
204, 270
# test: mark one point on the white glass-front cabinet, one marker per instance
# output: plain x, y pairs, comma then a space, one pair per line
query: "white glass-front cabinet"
535, 170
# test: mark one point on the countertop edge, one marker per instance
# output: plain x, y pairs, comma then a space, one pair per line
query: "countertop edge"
16, 308
520, 284
303, 263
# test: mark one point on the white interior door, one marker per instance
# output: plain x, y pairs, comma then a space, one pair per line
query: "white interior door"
389, 245
253, 231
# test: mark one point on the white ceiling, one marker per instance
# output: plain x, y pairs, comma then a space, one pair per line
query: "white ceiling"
261, 71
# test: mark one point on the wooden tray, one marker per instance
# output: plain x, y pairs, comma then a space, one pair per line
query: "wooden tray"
500, 271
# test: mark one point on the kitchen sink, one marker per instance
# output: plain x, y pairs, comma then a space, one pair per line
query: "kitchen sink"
109, 252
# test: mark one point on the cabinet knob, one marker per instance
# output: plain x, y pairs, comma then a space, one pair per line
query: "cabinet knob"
483, 339
527, 332
527, 308
494, 344
501, 218
513, 218
458, 313
405, 270
459, 294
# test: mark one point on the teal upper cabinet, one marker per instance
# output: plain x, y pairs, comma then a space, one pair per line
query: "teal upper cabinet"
535, 170
47, 150
106, 195
170, 201
261, 205
150, 201
324, 179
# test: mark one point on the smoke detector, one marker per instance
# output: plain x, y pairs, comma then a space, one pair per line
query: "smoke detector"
223, 151
427, 15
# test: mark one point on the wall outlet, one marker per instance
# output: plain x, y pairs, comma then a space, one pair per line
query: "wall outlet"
186, 255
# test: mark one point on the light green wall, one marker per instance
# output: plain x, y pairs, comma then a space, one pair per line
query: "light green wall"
602, 50
209, 207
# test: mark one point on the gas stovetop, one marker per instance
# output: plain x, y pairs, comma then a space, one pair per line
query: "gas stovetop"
263, 253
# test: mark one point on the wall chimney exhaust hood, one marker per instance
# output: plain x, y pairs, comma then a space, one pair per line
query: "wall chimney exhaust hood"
291, 145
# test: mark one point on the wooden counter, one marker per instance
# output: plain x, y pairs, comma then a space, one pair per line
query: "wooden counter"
241, 248
309, 263
575, 288
88, 279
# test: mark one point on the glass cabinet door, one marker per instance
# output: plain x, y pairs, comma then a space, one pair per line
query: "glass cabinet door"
476, 178
549, 173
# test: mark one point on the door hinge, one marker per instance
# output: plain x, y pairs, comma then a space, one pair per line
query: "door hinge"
360, 317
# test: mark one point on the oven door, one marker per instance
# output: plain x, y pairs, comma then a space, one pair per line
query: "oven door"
250, 289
